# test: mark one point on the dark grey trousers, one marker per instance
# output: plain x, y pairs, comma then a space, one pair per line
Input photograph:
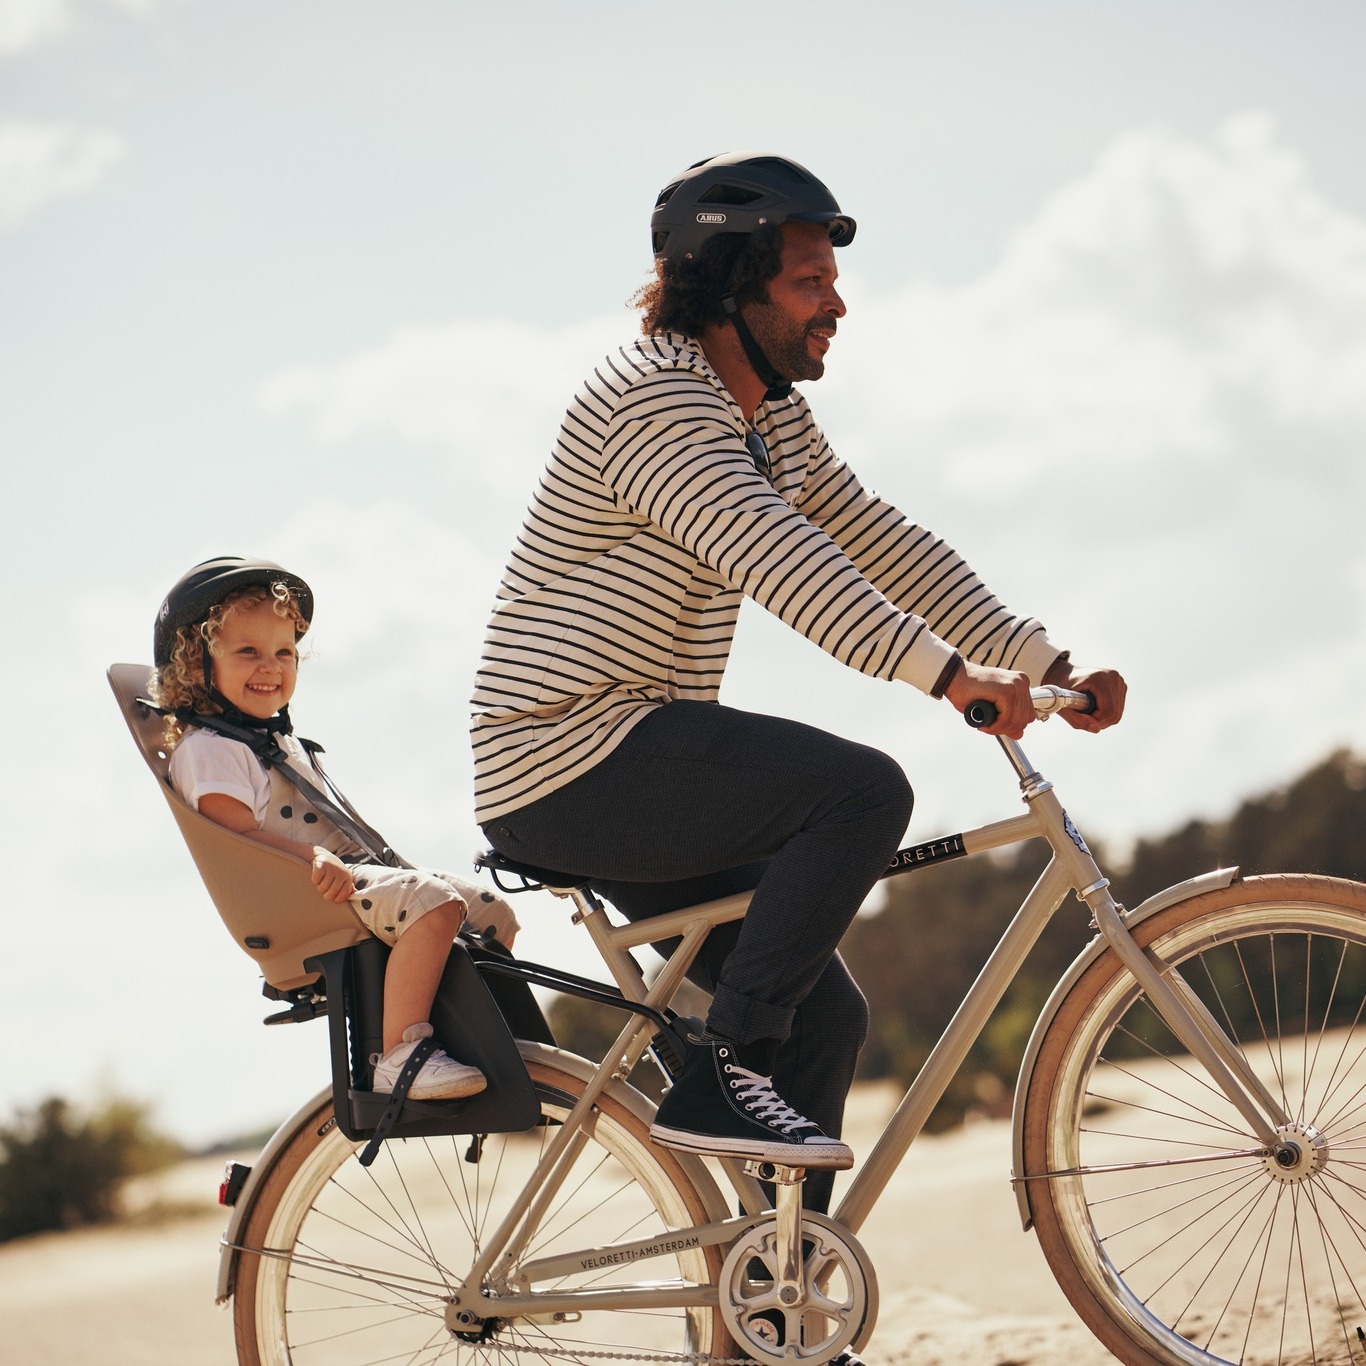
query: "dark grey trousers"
701, 800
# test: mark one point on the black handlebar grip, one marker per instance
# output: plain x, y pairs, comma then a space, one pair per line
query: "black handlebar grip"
980, 714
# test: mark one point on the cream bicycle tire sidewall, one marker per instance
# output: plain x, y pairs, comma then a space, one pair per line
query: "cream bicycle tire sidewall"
1291, 903
306, 1165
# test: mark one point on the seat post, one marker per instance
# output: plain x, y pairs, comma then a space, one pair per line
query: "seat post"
590, 913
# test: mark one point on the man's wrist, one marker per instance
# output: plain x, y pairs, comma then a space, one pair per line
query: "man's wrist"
947, 675
1059, 672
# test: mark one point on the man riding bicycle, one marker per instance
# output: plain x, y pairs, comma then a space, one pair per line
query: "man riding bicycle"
689, 473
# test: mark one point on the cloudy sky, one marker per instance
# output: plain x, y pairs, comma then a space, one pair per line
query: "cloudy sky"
313, 279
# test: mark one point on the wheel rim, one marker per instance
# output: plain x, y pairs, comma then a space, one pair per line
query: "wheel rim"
377, 1252
1251, 1257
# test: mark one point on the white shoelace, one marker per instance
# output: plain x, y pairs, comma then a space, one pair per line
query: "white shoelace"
756, 1093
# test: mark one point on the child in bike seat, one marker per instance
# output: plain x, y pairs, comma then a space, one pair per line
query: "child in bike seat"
226, 649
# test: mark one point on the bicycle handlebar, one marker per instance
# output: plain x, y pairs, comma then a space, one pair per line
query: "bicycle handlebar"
1047, 700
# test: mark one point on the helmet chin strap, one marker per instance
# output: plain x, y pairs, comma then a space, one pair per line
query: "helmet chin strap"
776, 385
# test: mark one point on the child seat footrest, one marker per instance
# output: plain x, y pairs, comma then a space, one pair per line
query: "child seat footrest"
467, 1023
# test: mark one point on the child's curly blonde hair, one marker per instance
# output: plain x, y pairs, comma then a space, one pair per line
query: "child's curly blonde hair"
181, 683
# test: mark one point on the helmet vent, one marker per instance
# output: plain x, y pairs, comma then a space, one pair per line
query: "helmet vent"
789, 170
733, 195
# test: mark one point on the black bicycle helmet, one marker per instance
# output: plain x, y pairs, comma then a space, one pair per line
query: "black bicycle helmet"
740, 192
208, 584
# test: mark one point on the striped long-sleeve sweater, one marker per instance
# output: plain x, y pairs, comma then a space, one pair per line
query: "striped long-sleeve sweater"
650, 523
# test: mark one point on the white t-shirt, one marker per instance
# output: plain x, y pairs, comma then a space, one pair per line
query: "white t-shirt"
205, 762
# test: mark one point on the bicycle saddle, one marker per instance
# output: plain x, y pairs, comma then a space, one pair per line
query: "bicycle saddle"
494, 863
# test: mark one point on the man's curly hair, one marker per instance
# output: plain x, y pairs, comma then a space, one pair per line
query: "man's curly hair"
685, 296
181, 683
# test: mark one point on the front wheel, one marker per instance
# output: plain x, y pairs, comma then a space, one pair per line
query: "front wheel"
1177, 1236
344, 1264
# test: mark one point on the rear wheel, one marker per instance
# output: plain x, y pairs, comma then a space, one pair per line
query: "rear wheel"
1176, 1235
347, 1264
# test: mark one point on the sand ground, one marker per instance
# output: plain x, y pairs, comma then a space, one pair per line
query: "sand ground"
960, 1281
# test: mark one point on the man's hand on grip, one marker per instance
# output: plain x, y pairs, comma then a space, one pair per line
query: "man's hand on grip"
1006, 690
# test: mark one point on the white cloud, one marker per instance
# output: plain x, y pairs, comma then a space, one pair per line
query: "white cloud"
26, 25
491, 392
1180, 307
40, 162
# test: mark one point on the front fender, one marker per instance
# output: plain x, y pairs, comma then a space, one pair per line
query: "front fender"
621, 1092
1182, 891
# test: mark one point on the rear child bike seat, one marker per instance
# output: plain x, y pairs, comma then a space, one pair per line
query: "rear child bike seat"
264, 896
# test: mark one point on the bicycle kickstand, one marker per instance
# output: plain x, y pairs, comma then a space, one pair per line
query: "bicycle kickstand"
788, 1208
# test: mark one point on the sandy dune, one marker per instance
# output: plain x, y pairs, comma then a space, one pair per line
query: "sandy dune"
959, 1280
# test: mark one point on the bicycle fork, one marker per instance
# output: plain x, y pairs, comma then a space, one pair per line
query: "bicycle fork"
1180, 1008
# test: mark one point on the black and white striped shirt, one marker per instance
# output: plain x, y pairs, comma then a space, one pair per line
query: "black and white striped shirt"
650, 523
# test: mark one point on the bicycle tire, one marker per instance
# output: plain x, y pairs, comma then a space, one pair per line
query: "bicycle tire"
1213, 1253
357, 1259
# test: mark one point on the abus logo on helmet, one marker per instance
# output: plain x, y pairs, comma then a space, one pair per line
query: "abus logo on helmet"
711, 218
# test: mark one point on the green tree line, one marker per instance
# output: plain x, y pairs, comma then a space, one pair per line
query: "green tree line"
61, 1167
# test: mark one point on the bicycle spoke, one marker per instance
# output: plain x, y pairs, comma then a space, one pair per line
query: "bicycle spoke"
1233, 1182
1224, 1309
1207, 1121
1332, 1252
1261, 1025
1187, 1072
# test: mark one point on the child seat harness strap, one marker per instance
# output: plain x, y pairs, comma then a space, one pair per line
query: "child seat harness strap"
333, 803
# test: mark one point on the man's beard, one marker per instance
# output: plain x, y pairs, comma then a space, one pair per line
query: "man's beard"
784, 342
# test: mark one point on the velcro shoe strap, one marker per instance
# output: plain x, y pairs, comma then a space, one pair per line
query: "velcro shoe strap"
422, 1050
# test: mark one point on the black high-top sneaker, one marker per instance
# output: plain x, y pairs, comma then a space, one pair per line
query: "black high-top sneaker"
720, 1107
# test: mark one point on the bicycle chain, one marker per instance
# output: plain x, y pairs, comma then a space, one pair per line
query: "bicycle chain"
574, 1354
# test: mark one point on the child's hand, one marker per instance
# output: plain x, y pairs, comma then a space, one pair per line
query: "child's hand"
331, 876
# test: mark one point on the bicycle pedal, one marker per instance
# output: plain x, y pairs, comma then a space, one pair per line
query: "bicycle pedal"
776, 1173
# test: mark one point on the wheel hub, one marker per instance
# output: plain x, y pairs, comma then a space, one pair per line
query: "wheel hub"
470, 1328
1300, 1151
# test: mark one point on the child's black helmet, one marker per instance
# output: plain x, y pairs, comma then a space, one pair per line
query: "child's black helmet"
740, 192
207, 584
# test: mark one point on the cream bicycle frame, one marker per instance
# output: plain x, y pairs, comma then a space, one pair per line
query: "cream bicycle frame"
1071, 869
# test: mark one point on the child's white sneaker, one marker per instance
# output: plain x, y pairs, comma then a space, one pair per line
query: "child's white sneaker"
439, 1078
